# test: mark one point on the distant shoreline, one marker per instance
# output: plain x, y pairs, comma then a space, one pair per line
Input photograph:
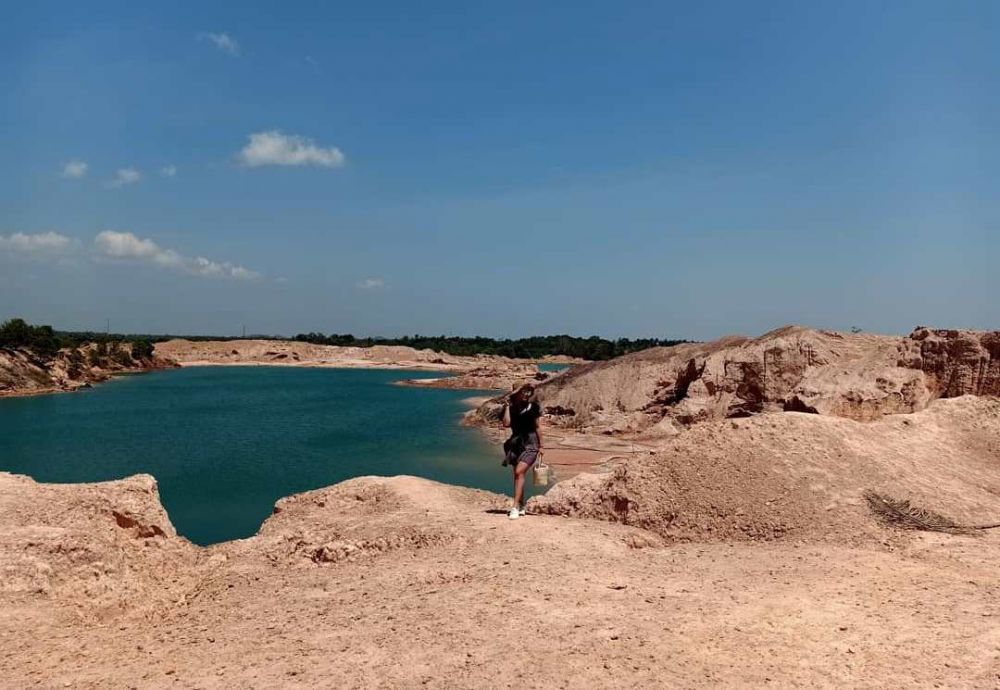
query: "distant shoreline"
346, 364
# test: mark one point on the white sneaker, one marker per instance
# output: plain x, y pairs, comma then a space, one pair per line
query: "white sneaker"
514, 513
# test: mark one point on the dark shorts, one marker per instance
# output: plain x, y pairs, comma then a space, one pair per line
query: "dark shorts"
519, 449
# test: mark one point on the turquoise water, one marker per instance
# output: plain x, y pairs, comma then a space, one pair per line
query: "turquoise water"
548, 366
225, 443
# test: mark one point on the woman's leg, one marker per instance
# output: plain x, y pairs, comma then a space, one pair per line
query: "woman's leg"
520, 470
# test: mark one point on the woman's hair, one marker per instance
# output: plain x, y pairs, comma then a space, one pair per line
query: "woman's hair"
515, 396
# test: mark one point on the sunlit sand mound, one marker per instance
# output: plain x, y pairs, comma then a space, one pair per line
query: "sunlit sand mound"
100, 549
854, 375
403, 582
799, 475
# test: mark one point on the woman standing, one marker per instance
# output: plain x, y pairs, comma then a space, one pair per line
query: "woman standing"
521, 450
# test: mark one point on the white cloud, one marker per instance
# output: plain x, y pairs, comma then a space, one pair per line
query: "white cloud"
371, 284
276, 148
222, 41
168, 170
120, 246
124, 176
48, 243
124, 246
74, 169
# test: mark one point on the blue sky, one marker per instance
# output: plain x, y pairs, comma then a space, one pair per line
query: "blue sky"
660, 169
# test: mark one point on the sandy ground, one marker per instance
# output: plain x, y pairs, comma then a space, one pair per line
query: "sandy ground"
402, 582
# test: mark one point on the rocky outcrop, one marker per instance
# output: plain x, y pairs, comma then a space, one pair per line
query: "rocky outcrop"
103, 548
855, 375
23, 372
956, 362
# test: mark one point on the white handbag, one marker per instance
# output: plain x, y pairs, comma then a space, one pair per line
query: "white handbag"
541, 473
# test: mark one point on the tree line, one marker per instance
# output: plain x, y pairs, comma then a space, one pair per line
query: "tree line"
45, 341
535, 347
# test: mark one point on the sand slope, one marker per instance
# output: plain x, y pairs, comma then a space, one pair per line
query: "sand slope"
799, 476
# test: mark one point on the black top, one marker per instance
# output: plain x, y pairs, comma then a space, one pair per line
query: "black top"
523, 420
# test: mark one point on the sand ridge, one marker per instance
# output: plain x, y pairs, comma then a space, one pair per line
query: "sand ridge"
408, 583
296, 353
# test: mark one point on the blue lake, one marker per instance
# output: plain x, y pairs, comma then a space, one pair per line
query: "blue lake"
225, 443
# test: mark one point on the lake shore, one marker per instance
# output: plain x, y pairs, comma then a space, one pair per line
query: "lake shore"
479, 372
338, 364
23, 373
26, 374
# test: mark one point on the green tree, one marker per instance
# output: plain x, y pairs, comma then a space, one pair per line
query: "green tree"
142, 349
121, 354
17, 333
14, 333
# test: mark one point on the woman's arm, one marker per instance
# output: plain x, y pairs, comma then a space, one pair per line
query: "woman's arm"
506, 415
538, 428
